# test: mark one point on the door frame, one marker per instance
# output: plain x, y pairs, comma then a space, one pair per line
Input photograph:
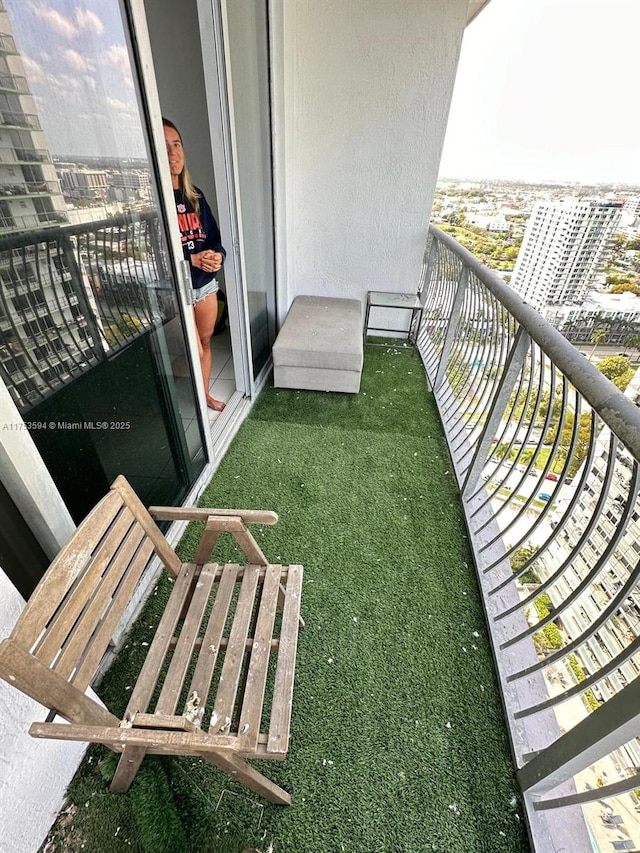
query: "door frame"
218, 89
137, 36
219, 115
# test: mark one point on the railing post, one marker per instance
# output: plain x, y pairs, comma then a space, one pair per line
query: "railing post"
456, 309
606, 729
514, 364
77, 278
429, 259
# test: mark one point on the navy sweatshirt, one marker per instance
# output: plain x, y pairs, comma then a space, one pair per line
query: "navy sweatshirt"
199, 232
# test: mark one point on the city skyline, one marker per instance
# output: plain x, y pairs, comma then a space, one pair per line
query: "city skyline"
546, 91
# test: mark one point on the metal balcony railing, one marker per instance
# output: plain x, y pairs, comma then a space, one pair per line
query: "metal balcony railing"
24, 155
7, 44
10, 118
30, 188
545, 451
12, 83
12, 223
77, 294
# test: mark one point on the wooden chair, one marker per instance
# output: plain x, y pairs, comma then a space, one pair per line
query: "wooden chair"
202, 689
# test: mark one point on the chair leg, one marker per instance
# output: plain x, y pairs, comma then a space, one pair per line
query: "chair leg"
248, 776
128, 766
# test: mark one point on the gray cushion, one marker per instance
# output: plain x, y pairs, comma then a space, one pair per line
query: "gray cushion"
321, 332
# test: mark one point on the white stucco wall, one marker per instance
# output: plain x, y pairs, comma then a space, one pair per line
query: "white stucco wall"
34, 773
362, 91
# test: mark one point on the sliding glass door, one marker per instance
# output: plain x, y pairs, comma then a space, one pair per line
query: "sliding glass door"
92, 342
247, 39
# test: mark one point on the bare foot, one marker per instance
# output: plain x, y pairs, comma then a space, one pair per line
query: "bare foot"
216, 405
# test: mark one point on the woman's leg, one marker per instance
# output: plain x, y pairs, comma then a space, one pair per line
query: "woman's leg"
206, 313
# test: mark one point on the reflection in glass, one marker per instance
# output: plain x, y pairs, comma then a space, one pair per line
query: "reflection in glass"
247, 22
91, 343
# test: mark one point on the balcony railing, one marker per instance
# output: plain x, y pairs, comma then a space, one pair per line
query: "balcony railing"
545, 451
12, 83
77, 294
10, 118
7, 44
11, 223
29, 188
24, 155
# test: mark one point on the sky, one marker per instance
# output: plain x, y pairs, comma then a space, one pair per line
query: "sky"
77, 64
548, 90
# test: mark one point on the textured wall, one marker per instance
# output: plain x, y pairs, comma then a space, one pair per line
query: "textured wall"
33, 773
175, 45
363, 100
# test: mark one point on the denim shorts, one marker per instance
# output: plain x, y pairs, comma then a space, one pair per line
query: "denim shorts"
200, 293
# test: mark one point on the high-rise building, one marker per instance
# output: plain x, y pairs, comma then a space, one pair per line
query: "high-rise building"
562, 246
44, 330
30, 196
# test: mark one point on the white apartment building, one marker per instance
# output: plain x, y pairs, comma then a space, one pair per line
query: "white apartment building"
495, 223
43, 330
609, 568
30, 194
83, 183
562, 246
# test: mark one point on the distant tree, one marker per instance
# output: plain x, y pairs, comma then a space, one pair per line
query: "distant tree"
519, 558
633, 341
618, 369
625, 287
583, 441
598, 336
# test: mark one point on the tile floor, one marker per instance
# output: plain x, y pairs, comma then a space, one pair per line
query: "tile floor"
223, 383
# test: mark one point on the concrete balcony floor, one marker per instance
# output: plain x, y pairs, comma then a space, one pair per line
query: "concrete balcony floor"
398, 741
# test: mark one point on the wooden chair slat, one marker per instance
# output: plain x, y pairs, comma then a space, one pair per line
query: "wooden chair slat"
74, 624
161, 546
170, 693
212, 640
230, 676
144, 687
99, 643
89, 593
285, 668
250, 716
163, 721
63, 571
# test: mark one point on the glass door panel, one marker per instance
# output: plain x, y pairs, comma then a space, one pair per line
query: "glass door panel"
248, 44
92, 347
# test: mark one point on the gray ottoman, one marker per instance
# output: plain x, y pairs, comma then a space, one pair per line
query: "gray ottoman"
319, 347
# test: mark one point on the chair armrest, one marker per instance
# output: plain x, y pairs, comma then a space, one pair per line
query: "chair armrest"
195, 513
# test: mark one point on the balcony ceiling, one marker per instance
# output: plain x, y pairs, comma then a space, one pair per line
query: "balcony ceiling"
475, 7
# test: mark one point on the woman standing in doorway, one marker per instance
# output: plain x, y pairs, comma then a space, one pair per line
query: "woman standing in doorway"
202, 247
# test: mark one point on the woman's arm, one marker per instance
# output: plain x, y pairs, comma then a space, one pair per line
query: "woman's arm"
210, 227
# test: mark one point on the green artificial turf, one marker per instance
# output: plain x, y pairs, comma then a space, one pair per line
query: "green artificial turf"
398, 741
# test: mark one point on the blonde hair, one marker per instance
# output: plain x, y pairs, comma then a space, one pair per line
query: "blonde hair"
185, 184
